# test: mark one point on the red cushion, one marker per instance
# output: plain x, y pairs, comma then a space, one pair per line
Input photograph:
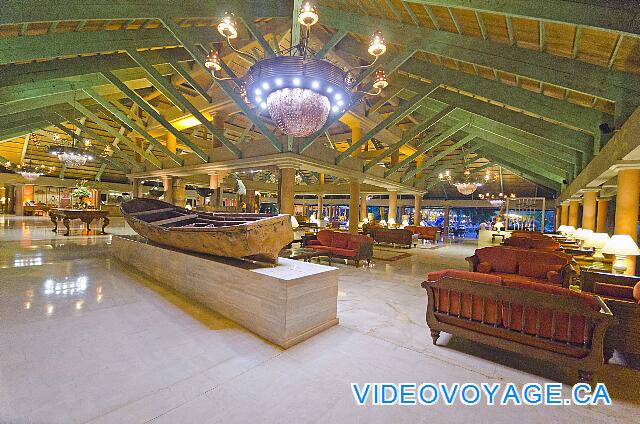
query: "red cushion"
484, 267
353, 244
320, 247
544, 244
340, 240
464, 275
502, 259
512, 315
325, 237
636, 292
532, 269
314, 243
344, 252
613, 290
521, 279
555, 277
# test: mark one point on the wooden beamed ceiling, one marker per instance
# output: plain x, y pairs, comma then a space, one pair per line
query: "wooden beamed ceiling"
521, 86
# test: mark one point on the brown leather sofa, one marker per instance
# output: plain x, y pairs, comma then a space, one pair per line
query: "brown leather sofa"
622, 294
526, 242
337, 244
424, 233
555, 268
402, 237
546, 322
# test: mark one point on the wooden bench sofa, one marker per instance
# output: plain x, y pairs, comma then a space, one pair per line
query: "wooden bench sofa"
541, 321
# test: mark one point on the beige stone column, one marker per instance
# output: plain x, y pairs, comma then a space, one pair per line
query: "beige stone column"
137, 188
445, 224
354, 198
574, 207
558, 217
251, 201
393, 207
179, 192
19, 202
589, 209
286, 186
363, 206
167, 183
320, 206
564, 216
601, 217
417, 207
627, 202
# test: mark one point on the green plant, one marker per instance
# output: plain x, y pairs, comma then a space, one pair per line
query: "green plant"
81, 192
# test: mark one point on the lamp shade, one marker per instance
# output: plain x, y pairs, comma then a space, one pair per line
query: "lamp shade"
562, 228
582, 234
294, 222
597, 240
569, 229
622, 245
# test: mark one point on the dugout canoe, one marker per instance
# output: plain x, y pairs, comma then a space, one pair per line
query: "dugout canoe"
253, 236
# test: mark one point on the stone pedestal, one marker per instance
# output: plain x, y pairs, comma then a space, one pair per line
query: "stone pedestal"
284, 304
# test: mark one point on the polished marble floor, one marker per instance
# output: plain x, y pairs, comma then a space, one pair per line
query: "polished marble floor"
84, 339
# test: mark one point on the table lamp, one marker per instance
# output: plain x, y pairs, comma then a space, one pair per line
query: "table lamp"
562, 228
569, 230
391, 222
621, 245
582, 234
383, 222
294, 222
498, 226
597, 241
405, 222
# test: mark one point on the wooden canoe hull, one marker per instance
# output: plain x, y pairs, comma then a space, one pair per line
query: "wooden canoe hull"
260, 240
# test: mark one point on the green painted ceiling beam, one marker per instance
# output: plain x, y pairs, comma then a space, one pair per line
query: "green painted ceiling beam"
255, 32
568, 73
295, 25
115, 133
584, 118
184, 105
335, 39
192, 82
125, 120
526, 163
608, 16
20, 130
100, 172
28, 48
432, 160
164, 86
523, 172
189, 44
427, 147
409, 135
398, 115
134, 97
80, 10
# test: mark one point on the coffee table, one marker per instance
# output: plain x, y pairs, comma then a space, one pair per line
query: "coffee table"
303, 253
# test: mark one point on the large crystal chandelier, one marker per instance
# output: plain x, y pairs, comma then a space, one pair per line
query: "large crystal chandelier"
297, 90
71, 156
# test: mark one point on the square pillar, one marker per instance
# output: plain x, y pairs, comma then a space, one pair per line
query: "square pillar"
286, 185
320, 207
417, 207
137, 188
574, 207
179, 192
627, 202
167, 184
564, 215
589, 209
601, 215
215, 201
363, 206
354, 198
393, 207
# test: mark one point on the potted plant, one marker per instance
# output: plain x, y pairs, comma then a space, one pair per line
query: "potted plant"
81, 193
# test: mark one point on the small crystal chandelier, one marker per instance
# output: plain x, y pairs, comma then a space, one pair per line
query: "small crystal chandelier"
298, 90
496, 200
465, 186
30, 172
71, 156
